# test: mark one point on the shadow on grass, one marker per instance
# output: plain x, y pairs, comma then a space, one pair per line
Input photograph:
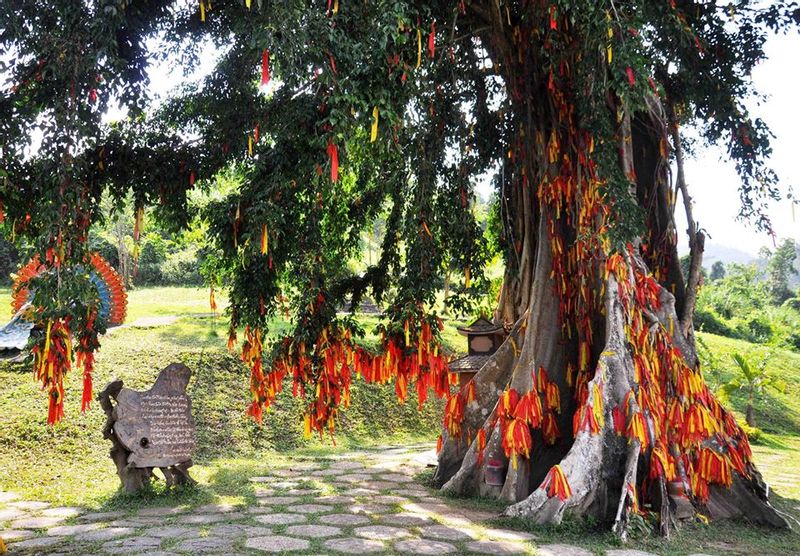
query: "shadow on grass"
159, 495
771, 441
775, 416
194, 334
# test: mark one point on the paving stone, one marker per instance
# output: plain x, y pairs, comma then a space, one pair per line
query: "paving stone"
472, 515
173, 531
105, 534
162, 511
278, 500
69, 530
9, 535
381, 532
259, 510
261, 491
389, 499
134, 522
277, 543
396, 478
11, 513
215, 508
280, 519
286, 484
346, 465
361, 492
304, 465
302, 492
508, 535
405, 519
412, 492
334, 500
29, 505
237, 530
354, 478
8, 497
447, 533
497, 547
379, 485
205, 519
424, 546
38, 542
351, 545
101, 516
625, 552
309, 509
261, 479
285, 473
205, 545
387, 465
427, 507
324, 472
344, 519
313, 531
131, 545
562, 550
62, 512
36, 522
368, 509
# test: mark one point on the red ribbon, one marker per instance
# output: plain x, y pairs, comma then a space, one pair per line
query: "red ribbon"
265, 67
333, 154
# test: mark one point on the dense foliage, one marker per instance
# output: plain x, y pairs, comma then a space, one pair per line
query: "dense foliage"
334, 116
753, 302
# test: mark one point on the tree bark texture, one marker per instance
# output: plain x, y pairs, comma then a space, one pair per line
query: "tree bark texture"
595, 405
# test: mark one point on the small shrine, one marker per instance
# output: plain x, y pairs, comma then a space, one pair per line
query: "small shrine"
483, 339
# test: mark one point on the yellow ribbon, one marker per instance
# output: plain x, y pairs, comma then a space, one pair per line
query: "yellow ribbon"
374, 133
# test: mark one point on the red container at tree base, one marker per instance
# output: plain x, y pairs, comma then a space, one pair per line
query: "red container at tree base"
494, 473
676, 488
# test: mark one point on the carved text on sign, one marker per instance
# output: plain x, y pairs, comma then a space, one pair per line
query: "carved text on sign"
157, 425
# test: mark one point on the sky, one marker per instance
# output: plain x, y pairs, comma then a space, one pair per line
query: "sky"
712, 179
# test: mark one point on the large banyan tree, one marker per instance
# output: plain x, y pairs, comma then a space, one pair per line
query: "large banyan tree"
330, 116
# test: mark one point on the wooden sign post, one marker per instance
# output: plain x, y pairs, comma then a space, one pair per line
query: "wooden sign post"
151, 429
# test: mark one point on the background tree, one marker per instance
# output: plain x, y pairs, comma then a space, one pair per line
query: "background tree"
780, 267
595, 402
754, 381
717, 270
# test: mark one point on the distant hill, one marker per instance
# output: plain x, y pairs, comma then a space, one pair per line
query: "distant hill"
715, 252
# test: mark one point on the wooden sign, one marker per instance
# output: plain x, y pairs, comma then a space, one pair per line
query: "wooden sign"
157, 425
151, 429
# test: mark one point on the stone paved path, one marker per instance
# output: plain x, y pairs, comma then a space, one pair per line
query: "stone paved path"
358, 503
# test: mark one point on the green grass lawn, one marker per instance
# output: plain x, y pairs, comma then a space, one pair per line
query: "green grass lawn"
68, 463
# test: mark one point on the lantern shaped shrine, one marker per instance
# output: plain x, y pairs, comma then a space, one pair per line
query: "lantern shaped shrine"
483, 339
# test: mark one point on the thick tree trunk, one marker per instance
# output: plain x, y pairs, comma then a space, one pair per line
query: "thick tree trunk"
750, 416
607, 470
595, 405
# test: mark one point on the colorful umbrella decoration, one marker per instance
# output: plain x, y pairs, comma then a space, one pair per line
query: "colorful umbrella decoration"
110, 288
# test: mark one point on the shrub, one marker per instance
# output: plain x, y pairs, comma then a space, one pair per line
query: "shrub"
152, 257
106, 249
755, 328
792, 303
709, 321
182, 269
753, 433
792, 340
